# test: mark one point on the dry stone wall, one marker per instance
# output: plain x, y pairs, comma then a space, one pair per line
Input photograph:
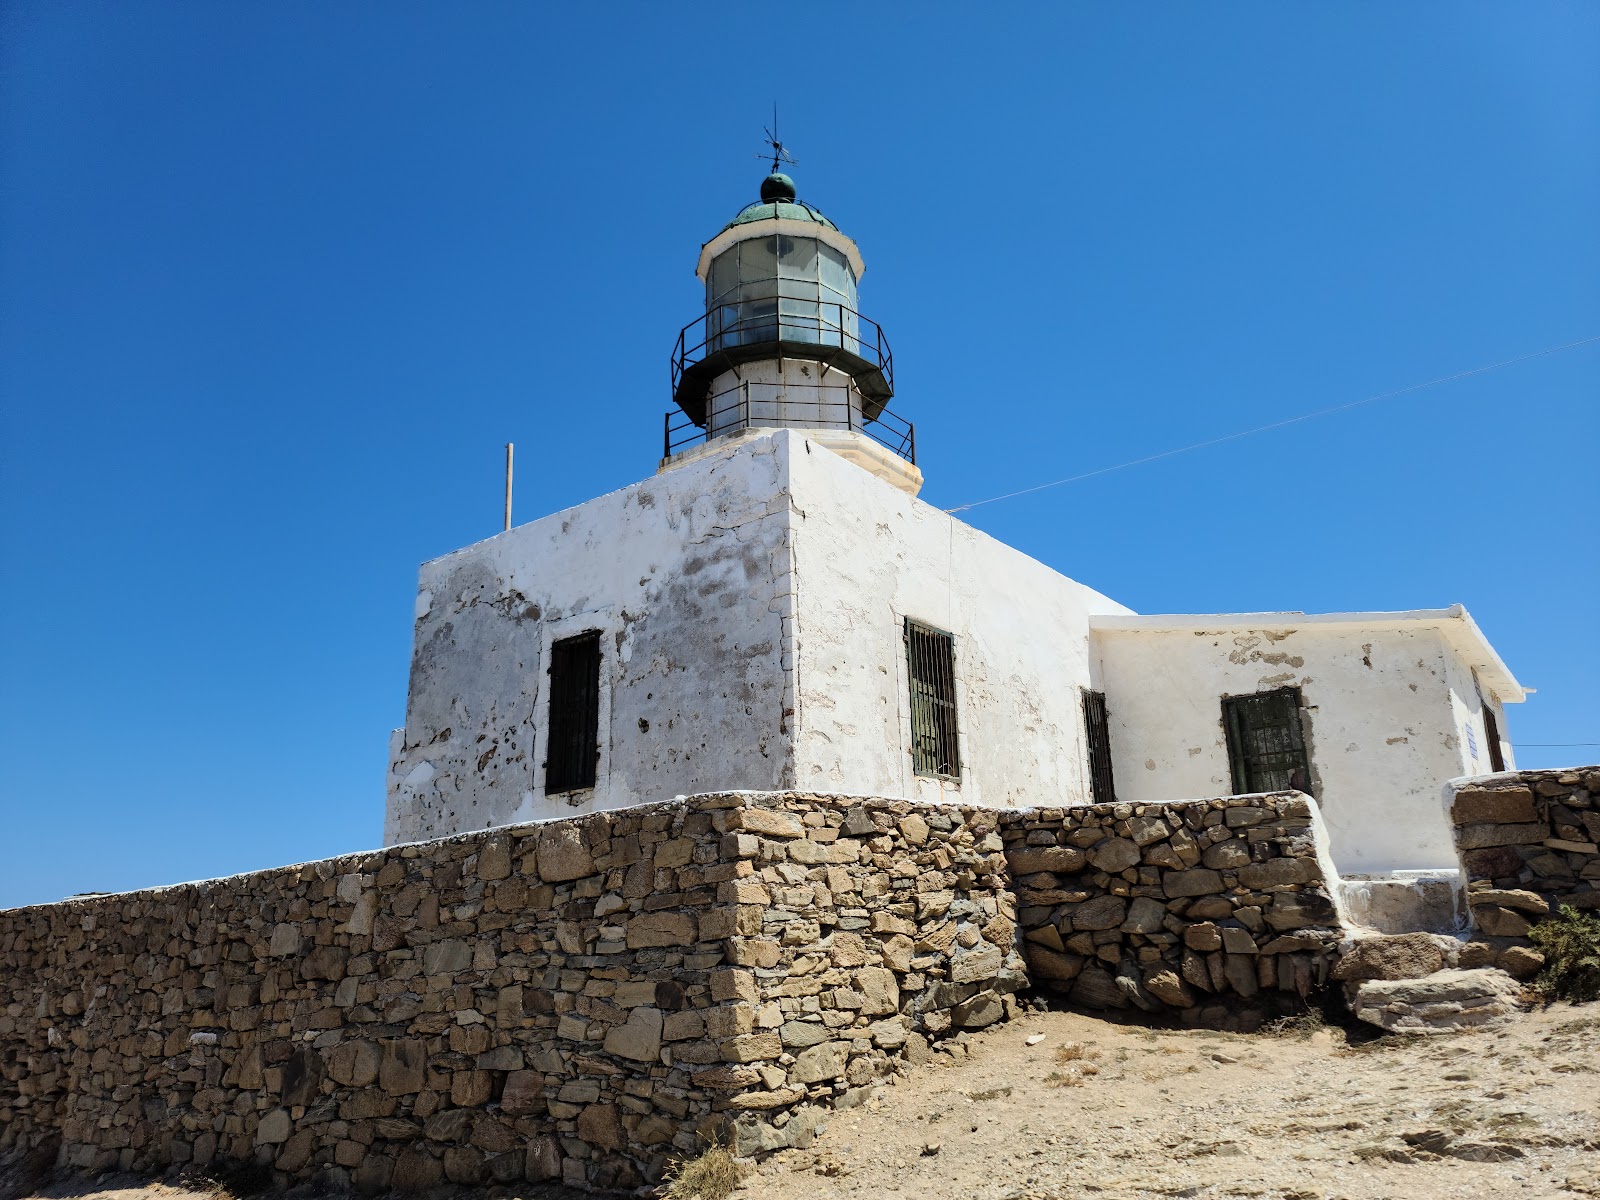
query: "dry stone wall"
1529, 842
575, 1000
1217, 910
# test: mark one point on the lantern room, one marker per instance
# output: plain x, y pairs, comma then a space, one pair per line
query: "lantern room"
782, 343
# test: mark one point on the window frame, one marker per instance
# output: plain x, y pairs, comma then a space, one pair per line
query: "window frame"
1097, 719
1239, 766
584, 773
931, 690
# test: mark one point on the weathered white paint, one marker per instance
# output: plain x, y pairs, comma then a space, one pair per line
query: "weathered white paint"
694, 579
688, 578
752, 600
869, 556
1381, 714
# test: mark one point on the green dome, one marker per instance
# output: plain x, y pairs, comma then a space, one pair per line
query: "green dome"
778, 202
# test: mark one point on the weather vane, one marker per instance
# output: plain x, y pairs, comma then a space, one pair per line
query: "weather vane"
780, 152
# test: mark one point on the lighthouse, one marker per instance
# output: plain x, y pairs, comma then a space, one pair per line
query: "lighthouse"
782, 343
776, 608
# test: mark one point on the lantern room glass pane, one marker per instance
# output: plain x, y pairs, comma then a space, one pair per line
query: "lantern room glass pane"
758, 259
797, 257
724, 274
836, 272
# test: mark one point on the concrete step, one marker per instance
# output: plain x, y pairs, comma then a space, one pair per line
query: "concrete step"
1404, 902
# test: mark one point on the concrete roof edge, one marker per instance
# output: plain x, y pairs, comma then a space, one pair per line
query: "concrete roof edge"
1454, 623
785, 227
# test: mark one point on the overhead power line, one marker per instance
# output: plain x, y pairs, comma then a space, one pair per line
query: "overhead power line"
1321, 412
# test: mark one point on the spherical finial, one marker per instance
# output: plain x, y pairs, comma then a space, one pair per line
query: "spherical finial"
777, 188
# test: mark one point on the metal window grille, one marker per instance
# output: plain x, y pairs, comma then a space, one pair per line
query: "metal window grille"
1266, 746
574, 750
931, 658
1101, 786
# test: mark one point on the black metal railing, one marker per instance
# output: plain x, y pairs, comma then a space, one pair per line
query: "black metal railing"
755, 405
727, 328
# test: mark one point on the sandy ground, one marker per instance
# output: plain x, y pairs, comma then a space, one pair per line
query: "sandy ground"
1117, 1112
1147, 1113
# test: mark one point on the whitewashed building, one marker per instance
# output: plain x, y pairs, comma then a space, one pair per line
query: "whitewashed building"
775, 609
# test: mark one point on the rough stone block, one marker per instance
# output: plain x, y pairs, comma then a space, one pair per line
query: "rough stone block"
446, 957
751, 1047
1050, 966
1492, 833
601, 1125
1402, 956
1441, 1002
1223, 855
1115, 855
1279, 872
766, 822
638, 1038
661, 929
1509, 806
355, 1064
523, 1092
820, 1063
401, 1071
1032, 860
1103, 912
979, 964
494, 859
1144, 916
1196, 882
273, 1128
561, 854
983, 1009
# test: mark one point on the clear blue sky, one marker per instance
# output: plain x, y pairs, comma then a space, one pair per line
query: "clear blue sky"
277, 281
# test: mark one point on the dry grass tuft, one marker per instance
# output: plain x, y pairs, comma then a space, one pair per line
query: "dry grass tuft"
711, 1175
990, 1094
1073, 1052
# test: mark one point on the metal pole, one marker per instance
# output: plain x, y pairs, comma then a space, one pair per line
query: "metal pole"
509, 448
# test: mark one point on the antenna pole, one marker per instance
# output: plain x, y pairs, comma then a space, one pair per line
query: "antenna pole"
509, 448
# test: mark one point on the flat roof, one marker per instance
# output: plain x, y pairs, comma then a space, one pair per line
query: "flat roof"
1454, 623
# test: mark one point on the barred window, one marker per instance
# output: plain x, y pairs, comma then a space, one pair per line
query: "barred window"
1266, 746
931, 659
1097, 732
574, 750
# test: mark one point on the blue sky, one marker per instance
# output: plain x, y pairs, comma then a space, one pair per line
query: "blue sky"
278, 281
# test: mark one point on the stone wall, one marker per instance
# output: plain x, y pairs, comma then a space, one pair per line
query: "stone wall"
866, 928
1529, 842
576, 1000
1214, 909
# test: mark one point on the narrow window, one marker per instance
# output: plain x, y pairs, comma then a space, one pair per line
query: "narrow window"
574, 749
930, 655
1101, 787
1491, 734
1266, 746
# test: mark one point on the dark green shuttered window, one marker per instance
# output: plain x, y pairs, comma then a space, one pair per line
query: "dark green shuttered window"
1266, 746
574, 750
931, 659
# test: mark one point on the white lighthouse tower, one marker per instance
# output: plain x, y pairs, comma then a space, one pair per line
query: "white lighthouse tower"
782, 343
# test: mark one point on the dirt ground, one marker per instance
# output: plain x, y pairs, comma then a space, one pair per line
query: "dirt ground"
1102, 1110
1116, 1112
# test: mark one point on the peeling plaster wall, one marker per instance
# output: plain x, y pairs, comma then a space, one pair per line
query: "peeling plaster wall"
868, 556
687, 575
1379, 718
1467, 701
